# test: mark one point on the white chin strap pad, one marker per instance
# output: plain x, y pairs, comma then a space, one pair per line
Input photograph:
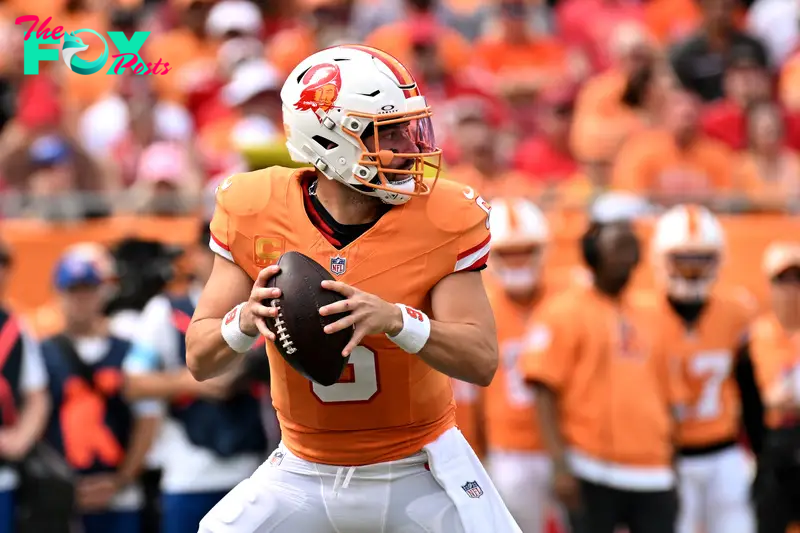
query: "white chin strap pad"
397, 198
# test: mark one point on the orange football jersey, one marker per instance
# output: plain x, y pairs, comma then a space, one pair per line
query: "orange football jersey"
707, 360
388, 403
510, 416
774, 353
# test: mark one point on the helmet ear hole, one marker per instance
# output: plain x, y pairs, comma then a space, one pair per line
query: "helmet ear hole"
327, 144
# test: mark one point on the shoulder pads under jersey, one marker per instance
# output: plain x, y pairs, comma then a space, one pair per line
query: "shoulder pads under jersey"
249, 192
455, 208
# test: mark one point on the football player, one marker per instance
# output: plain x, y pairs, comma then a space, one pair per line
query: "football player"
378, 451
703, 324
517, 460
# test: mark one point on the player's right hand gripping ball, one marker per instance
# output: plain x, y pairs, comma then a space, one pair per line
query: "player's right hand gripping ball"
298, 328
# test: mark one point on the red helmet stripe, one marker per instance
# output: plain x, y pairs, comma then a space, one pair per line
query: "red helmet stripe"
399, 70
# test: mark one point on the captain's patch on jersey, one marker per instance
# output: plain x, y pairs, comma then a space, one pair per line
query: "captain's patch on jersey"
267, 250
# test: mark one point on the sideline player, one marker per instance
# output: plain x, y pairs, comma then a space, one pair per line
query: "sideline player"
611, 445
518, 463
378, 451
703, 325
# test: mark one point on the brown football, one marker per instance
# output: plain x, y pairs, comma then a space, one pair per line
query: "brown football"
298, 328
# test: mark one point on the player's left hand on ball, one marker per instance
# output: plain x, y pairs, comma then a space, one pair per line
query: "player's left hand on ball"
369, 314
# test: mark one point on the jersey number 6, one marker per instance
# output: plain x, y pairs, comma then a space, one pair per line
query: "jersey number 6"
359, 382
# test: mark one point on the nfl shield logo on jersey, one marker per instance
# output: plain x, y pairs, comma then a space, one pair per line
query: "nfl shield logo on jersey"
472, 489
338, 265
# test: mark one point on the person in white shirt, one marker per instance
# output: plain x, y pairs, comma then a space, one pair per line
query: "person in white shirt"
213, 437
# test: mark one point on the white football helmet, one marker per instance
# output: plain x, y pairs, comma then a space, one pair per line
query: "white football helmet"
520, 234
687, 246
337, 97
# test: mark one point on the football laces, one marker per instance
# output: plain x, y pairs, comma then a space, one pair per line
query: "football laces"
282, 334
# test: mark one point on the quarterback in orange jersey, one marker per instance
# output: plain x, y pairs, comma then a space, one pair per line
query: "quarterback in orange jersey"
379, 450
703, 325
517, 460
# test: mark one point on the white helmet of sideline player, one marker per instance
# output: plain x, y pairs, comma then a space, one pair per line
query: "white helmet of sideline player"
340, 96
687, 246
520, 234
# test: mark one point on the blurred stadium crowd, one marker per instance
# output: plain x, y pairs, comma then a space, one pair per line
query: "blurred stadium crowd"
556, 101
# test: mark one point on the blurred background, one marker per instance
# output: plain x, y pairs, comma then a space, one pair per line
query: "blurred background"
559, 101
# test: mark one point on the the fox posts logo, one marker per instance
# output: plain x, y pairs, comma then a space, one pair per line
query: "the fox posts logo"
127, 56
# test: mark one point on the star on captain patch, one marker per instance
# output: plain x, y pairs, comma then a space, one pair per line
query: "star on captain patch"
338, 265
472, 489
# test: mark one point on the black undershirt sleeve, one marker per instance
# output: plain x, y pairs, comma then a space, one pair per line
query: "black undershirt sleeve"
752, 404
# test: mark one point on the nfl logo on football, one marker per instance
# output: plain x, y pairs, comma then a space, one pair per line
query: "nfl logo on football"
472, 489
338, 265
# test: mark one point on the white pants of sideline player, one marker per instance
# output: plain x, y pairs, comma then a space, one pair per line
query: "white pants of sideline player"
715, 493
524, 480
290, 495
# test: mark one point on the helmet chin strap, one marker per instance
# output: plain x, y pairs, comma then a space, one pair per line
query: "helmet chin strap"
387, 197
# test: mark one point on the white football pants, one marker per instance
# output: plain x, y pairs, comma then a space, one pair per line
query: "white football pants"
524, 480
714, 493
291, 495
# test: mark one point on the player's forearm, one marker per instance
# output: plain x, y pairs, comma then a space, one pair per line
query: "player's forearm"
168, 385
33, 417
144, 433
207, 353
547, 413
461, 351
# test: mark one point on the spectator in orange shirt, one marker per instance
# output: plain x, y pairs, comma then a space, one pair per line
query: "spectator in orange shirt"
398, 38
676, 162
622, 99
481, 164
440, 83
515, 54
769, 172
319, 24
186, 44
671, 20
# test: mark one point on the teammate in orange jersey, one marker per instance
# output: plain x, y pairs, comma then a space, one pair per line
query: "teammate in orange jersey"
704, 324
769, 359
378, 451
517, 460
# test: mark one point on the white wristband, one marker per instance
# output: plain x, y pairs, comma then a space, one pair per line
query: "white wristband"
238, 340
415, 332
